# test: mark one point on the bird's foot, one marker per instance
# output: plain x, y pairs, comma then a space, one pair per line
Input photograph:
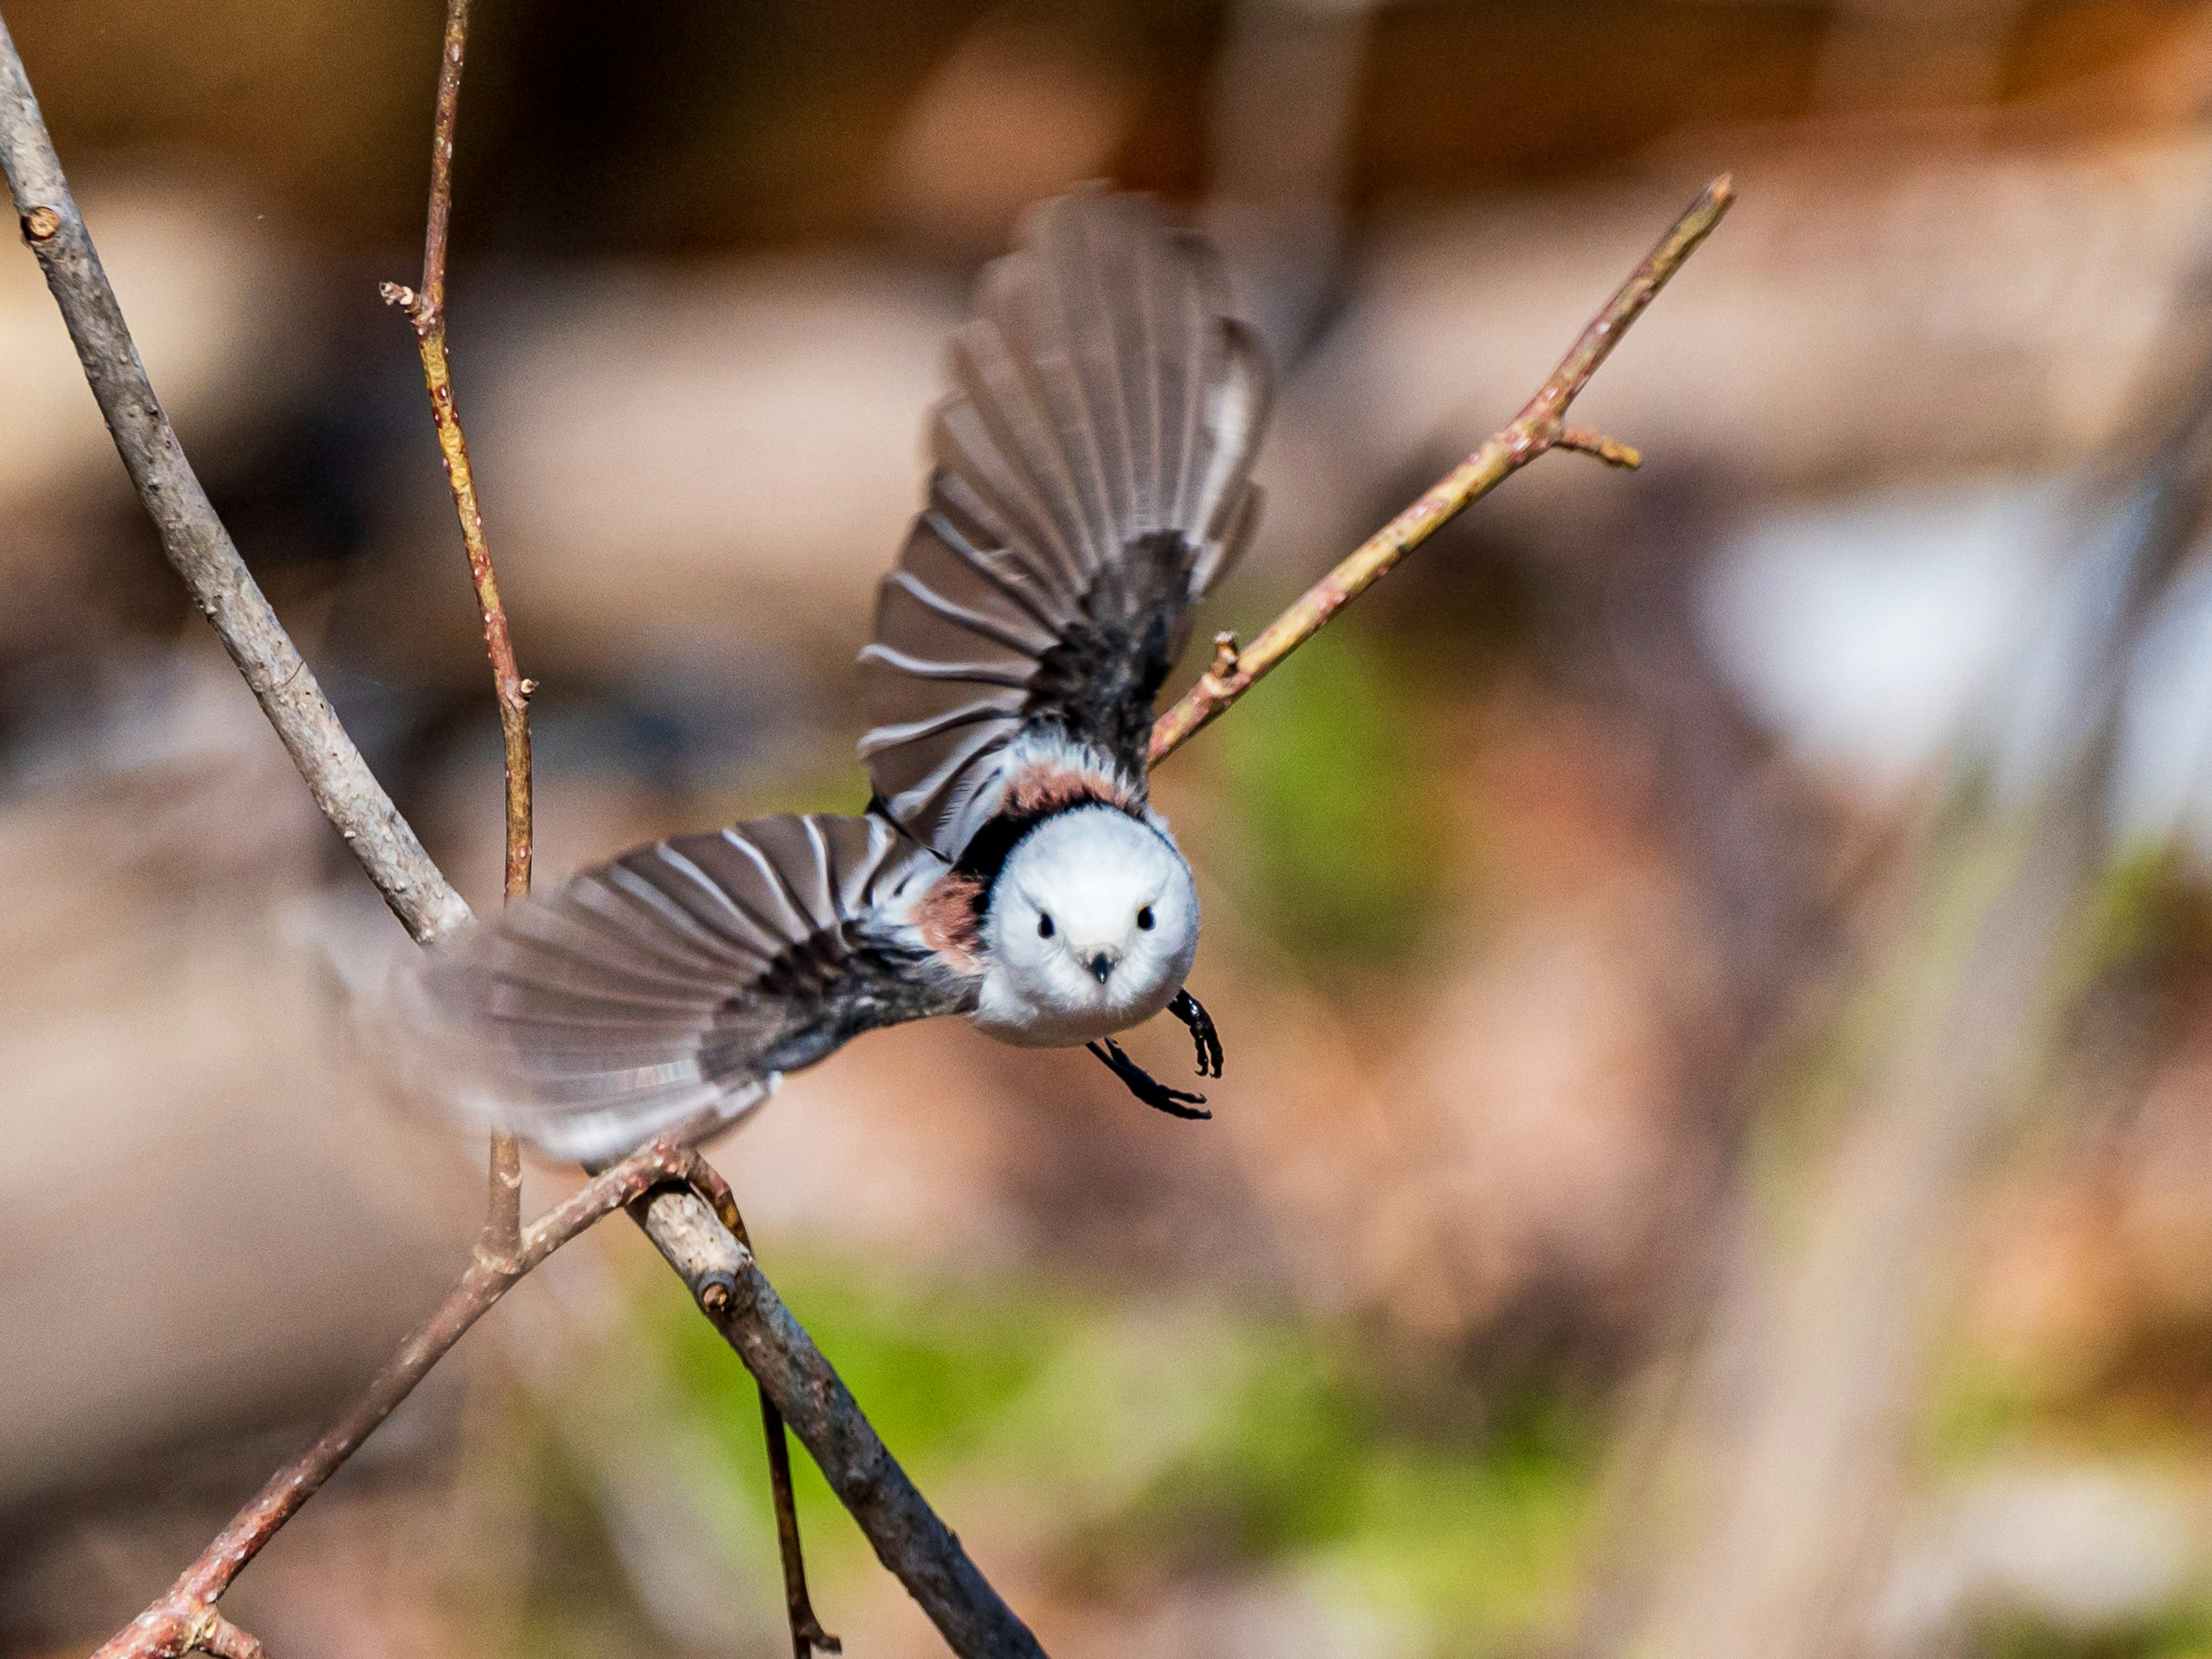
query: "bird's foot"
1192, 1013
1146, 1087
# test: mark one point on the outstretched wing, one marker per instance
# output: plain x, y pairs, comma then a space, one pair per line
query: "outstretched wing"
1091, 484
682, 977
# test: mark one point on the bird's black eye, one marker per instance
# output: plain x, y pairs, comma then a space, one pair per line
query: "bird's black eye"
1144, 918
1044, 926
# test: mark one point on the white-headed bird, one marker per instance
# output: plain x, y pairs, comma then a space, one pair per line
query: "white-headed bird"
1090, 483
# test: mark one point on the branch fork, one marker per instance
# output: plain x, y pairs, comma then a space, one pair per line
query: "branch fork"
1610, 451
1539, 427
185, 1619
679, 1198
417, 307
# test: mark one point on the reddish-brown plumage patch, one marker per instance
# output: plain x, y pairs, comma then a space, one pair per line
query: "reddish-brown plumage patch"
950, 917
1044, 786
950, 920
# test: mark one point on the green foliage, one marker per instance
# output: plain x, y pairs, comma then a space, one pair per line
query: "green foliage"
2183, 1634
1176, 1438
1336, 820
935, 1369
578, 1604
2150, 907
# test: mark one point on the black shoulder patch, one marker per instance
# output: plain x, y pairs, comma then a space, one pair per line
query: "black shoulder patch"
1099, 684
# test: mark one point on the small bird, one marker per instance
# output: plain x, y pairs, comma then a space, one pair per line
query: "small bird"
1090, 483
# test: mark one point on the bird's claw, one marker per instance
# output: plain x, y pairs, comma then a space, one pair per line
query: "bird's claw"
1192, 1013
1146, 1087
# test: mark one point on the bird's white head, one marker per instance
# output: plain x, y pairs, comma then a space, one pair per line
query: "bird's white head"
1093, 928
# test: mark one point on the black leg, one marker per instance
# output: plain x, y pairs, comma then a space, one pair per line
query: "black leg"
1192, 1013
1146, 1087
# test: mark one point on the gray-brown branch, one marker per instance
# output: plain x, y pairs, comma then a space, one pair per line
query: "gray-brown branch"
192, 535
906, 1535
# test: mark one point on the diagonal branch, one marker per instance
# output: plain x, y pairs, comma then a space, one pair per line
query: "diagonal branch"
184, 1617
795, 1378
702, 1245
192, 535
701, 1237
1537, 428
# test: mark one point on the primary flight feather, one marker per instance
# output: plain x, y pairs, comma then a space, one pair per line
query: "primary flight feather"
1090, 483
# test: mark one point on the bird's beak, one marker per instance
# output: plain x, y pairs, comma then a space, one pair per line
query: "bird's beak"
1102, 966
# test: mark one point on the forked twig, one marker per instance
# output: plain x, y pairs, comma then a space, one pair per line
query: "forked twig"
184, 1617
1539, 427
908, 1535
676, 1196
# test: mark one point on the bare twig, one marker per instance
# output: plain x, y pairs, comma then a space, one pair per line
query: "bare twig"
226, 1641
807, 1631
1505, 452
427, 311
183, 1618
502, 1227
906, 1535
193, 536
797, 1384
1610, 451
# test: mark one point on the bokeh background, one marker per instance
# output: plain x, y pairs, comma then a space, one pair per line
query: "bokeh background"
1716, 1157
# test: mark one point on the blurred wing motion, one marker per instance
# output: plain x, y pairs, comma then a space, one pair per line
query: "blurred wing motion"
1091, 485
682, 977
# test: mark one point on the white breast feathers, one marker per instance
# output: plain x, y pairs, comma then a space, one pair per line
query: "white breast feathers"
1092, 926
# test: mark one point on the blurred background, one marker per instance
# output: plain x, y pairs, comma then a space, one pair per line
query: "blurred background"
1716, 1158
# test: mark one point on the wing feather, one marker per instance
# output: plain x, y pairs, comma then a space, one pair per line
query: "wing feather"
1093, 458
1032, 336
982, 445
705, 947
678, 979
966, 619
707, 902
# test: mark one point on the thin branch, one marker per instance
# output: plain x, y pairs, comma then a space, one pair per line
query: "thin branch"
1505, 452
806, 1632
437, 227
192, 535
502, 1227
513, 691
181, 1619
427, 310
226, 1641
1610, 451
908, 1536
